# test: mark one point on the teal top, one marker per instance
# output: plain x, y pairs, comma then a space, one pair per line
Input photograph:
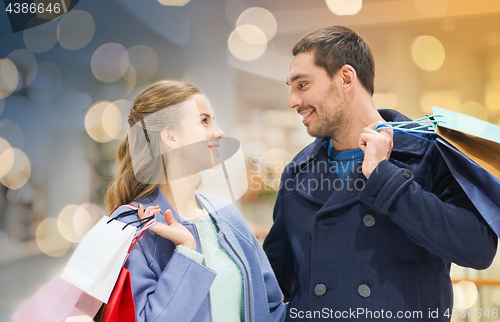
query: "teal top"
343, 162
227, 291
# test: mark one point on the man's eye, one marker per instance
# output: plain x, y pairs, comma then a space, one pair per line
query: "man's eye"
301, 85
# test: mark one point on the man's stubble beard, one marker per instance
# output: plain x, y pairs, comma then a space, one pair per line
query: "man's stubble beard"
334, 124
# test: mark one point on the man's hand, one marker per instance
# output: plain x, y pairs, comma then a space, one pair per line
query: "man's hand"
377, 146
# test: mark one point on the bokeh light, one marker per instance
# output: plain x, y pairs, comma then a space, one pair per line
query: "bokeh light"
247, 43
447, 99
112, 120
178, 3
103, 121
344, 7
144, 61
109, 62
12, 132
131, 79
9, 77
41, 38
432, 8
385, 100
465, 294
124, 107
75, 30
428, 53
75, 221
47, 83
19, 172
474, 109
6, 157
495, 73
65, 223
86, 216
26, 64
261, 18
49, 239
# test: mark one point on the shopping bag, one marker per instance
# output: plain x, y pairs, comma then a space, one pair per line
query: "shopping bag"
96, 263
57, 301
476, 139
471, 149
120, 307
482, 188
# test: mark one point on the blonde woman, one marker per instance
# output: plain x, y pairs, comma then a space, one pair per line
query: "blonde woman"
199, 261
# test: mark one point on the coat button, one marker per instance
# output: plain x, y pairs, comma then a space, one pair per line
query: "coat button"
407, 174
364, 290
369, 220
320, 289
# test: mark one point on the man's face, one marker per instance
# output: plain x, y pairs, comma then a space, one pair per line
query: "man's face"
316, 96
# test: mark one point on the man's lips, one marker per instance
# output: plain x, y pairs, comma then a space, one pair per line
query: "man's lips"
306, 115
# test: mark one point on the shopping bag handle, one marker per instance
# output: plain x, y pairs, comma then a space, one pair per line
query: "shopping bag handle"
143, 221
423, 128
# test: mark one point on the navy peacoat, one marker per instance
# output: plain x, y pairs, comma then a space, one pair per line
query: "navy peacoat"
374, 249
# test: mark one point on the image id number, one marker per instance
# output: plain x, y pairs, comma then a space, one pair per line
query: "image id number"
33, 8
471, 313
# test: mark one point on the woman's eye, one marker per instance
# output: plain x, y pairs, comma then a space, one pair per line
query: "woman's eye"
205, 120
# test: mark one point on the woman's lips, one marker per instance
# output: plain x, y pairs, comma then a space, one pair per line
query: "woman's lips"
215, 148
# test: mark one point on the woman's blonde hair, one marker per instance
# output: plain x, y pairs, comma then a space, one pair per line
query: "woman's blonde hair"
125, 187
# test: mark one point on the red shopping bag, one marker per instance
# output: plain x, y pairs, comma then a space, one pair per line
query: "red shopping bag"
120, 307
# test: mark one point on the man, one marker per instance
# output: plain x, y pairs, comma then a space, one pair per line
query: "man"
366, 224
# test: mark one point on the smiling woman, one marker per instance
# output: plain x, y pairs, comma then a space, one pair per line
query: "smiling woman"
199, 261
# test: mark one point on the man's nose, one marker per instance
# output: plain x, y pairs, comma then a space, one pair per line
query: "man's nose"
294, 101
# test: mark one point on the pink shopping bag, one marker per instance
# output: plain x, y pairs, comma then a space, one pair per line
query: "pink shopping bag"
56, 302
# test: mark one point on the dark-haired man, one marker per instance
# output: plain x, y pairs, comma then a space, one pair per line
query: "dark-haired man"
366, 224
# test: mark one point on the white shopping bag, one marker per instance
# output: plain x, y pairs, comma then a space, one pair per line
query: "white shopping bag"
96, 263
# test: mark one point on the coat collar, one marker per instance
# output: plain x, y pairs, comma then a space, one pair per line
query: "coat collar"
310, 169
158, 198
403, 144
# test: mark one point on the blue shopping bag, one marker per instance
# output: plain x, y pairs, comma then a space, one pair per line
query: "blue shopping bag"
482, 188
471, 149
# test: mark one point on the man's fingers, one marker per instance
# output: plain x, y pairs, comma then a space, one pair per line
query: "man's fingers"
363, 139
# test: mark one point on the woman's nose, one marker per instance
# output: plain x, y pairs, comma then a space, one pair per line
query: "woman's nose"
217, 133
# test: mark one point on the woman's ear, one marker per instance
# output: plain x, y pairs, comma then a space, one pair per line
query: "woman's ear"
169, 139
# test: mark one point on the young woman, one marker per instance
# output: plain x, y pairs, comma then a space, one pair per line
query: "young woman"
199, 261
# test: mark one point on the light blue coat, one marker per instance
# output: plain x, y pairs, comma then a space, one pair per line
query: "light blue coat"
168, 286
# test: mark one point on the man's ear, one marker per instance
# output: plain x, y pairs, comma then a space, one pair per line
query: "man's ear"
169, 139
348, 76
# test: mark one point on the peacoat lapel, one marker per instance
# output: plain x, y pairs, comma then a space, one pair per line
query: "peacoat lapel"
316, 180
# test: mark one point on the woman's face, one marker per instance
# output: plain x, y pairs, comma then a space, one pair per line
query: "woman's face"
197, 138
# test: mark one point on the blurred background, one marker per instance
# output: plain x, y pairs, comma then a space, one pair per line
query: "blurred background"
66, 87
